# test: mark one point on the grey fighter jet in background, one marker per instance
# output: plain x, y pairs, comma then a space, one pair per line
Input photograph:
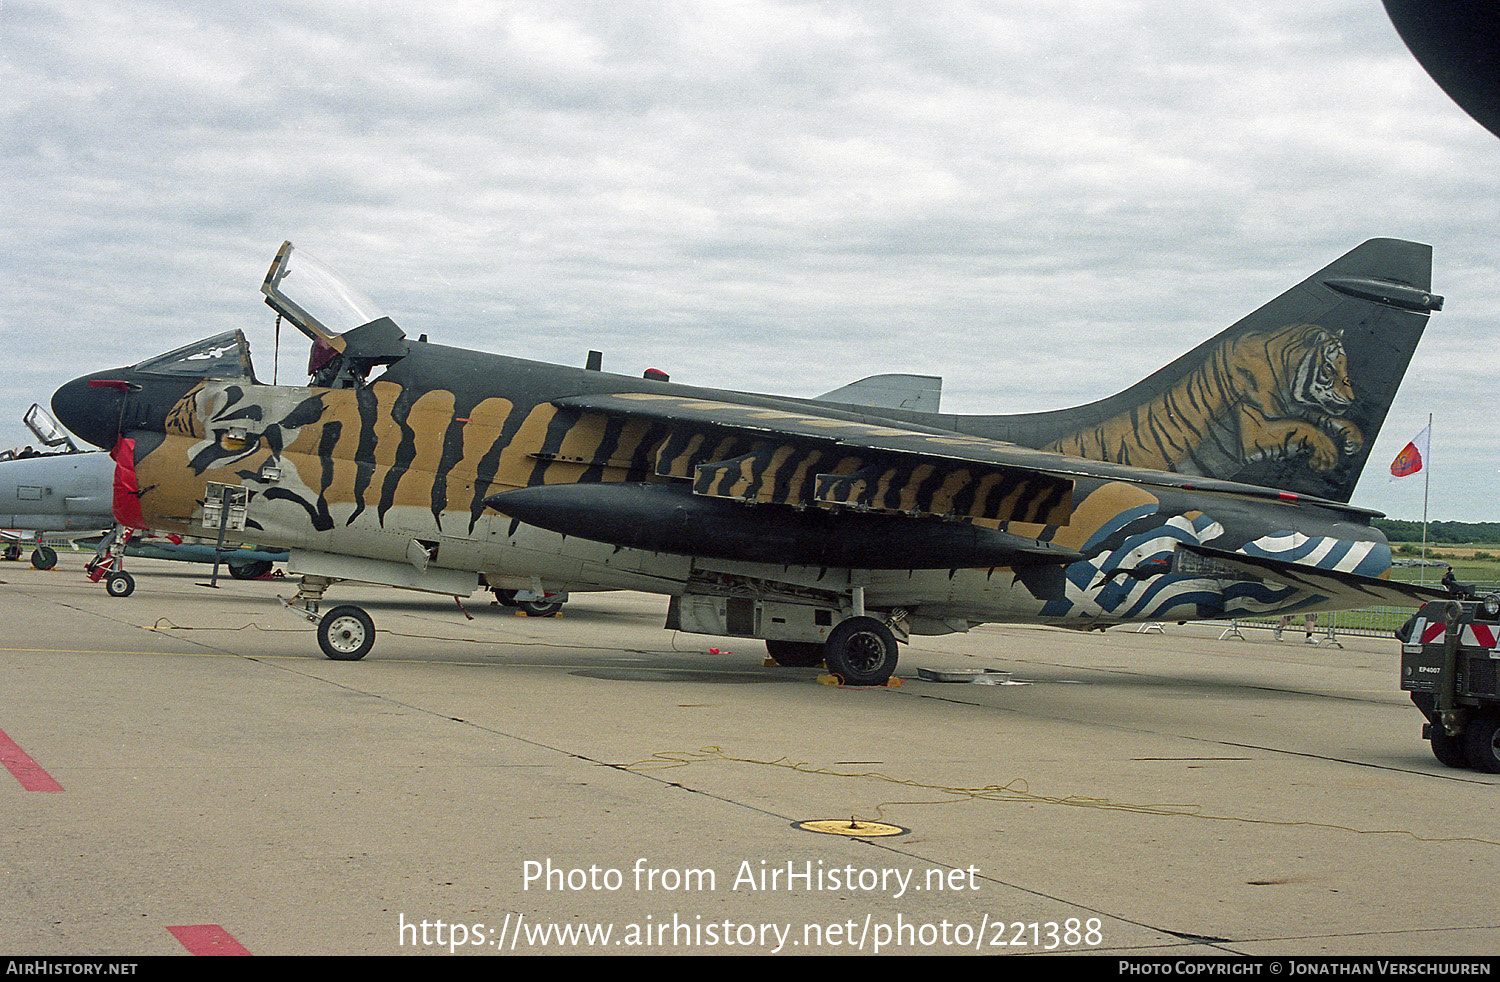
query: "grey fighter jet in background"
69, 492
60, 490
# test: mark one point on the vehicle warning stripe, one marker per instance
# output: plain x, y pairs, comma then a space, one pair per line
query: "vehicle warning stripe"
1472, 635
25, 770
207, 939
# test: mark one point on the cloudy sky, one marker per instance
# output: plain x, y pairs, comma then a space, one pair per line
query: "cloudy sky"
1039, 201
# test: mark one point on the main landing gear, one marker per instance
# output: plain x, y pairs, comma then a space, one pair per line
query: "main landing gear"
800, 627
532, 603
860, 651
42, 557
252, 570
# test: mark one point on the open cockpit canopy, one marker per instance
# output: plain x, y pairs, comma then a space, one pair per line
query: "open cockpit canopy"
350, 333
312, 296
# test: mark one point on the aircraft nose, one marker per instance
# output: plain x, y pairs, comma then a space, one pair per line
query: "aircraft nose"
91, 409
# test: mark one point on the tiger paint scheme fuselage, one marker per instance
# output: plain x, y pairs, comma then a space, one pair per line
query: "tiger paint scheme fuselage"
454, 468
369, 482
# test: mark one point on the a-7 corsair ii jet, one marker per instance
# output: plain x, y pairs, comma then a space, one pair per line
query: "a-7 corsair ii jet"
1218, 486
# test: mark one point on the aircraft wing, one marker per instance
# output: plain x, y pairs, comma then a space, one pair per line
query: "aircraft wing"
1360, 590
807, 457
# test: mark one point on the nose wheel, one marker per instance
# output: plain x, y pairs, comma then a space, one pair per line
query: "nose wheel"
119, 584
346, 633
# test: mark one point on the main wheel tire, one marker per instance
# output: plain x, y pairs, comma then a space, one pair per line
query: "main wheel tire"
346, 633
119, 584
44, 557
250, 571
12, 552
539, 608
861, 651
1482, 742
795, 654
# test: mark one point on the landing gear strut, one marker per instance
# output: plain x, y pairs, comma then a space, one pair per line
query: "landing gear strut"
108, 563
345, 633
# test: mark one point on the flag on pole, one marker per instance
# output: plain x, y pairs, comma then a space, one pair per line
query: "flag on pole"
1413, 457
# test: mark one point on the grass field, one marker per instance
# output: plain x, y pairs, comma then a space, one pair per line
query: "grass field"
1478, 564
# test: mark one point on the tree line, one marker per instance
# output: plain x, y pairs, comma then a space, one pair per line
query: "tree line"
1447, 533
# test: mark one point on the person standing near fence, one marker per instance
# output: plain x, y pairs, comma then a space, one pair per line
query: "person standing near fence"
1309, 624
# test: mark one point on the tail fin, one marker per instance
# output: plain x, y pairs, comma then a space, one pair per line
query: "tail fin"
1290, 397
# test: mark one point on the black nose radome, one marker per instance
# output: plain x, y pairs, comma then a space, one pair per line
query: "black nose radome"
92, 406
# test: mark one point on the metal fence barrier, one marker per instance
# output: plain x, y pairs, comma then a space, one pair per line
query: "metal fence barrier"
1325, 632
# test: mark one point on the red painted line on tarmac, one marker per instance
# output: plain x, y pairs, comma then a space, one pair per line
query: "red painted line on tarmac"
207, 939
26, 770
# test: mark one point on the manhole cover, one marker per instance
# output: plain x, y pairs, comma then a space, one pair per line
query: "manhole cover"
849, 826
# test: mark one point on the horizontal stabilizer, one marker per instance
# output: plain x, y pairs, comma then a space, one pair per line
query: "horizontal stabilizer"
917, 393
1358, 590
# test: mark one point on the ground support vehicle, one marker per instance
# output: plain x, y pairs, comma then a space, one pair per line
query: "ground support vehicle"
1451, 666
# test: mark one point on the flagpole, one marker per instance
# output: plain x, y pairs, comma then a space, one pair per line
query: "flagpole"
1426, 487
1416, 456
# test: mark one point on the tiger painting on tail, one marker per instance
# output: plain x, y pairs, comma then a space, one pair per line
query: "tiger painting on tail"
1263, 395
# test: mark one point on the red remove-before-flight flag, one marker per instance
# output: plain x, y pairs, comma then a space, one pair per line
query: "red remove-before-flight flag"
1413, 457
